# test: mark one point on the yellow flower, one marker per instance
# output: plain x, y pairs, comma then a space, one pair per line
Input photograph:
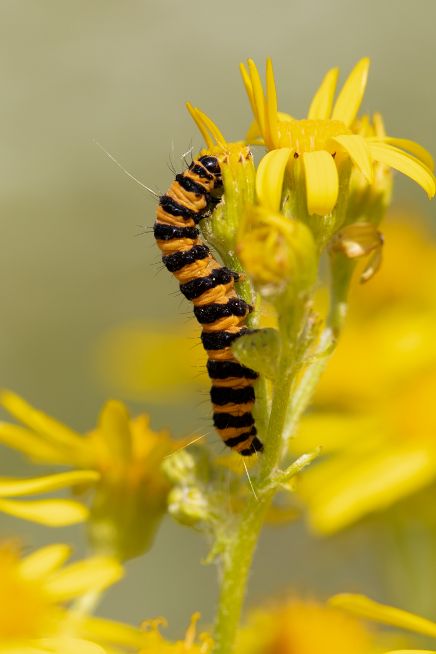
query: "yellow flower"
304, 627
382, 448
155, 643
152, 361
389, 335
329, 140
35, 592
120, 460
363, 607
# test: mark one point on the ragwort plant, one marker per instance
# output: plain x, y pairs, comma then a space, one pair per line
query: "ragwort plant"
315, 200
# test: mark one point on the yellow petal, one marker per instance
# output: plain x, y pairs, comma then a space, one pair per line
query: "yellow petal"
93, 574
349, 99
322, 184
253, 135
110, 631
372, 484
248, 87
30, 444
411, 651
16, 487
258, 95
391, 156
271, 106
58, 433
198, 121
406, 144
322, 102
364, 607
211, 126
206, 126
356, 147
285, 118
114, 423
269, 178
69, 646
23, 649
44, 561
52, 513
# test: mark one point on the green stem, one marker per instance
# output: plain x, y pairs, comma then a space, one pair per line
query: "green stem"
308, 382
240, 552
341, 270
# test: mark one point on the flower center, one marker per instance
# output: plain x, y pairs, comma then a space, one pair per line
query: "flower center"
310, 135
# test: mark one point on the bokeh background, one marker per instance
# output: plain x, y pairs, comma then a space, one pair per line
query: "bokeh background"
77, 261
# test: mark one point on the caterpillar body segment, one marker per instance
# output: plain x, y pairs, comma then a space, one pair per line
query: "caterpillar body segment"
211, 288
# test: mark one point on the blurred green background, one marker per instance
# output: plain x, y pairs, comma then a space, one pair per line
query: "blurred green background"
72, 263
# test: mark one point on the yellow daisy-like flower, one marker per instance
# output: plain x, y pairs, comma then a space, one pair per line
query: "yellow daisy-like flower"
373, 460
35, 592
386, 360
155, 643
120, 460
363, 607
329, 138
305, 627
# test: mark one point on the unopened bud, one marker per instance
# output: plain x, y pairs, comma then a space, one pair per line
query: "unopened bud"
179, 467
188, 505
238, 175
278, 253
369, 201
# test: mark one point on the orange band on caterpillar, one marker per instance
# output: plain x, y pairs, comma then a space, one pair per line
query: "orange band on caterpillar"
211, 288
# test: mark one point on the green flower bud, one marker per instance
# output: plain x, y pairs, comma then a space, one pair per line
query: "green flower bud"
279, 254
179, 468
188, 505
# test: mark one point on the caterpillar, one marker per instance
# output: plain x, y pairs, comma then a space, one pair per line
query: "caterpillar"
211, 288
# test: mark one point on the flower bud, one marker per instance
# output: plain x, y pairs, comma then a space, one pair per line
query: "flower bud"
238, 174
278, 253
188, 505
179, 467
369, 201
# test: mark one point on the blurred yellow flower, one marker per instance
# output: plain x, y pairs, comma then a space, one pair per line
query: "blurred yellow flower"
155, 643
390, 330
383, 447
363, 607
304, 627
153, 361
51, 512
328, 138
119, 460
35, 592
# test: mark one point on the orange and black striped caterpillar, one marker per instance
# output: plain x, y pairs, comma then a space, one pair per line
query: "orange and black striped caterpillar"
211, 289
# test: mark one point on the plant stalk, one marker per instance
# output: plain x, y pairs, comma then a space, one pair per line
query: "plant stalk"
239, 554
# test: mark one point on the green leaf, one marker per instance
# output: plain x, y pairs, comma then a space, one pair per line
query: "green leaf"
259, 350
